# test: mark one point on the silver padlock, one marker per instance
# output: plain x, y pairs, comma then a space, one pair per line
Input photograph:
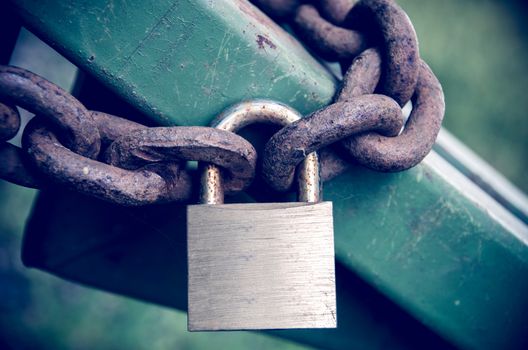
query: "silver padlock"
261, 265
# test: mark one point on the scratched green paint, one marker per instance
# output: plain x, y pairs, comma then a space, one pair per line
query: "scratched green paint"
182, 62
440, 255
412, 235
421, 241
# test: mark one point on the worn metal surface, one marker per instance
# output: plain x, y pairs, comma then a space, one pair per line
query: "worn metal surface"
35, 94
180, 61
452, 259
101, 180
383, 153
361, 77
428, 238
67, 151
440, 247
288, 147
9, 122
335, 11
261, 266
372, 150
399, 44
393, 69
261, 111
329, 41
236, 156
142, 146
144, 166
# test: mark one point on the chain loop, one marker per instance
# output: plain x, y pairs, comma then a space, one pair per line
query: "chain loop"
158, 177
362, 76
37, 95
392, 28
329, 41
415, 142
98, 179
392, 69
153, 145
111, 127
335, 11
288, 147
146, 165
9, 122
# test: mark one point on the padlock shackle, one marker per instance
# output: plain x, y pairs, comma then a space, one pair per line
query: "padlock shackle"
260, 111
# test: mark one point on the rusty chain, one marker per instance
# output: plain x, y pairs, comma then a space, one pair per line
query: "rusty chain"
127, 163
150, 169
391, 66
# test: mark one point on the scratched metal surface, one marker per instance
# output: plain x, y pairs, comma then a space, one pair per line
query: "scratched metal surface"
261, 266
440, 246
184, 61
433, 244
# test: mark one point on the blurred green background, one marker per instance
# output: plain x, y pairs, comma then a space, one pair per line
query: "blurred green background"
477, 48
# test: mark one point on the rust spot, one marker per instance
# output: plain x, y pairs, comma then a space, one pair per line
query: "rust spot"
262, 41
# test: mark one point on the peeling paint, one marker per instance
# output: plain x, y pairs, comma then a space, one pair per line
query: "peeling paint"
263, 41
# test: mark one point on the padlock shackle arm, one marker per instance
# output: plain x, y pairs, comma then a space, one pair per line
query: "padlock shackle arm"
246, 113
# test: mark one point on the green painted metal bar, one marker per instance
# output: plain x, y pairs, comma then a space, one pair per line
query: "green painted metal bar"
440, 247
485, 176
142, 253
205, 55
413, 236
429, 239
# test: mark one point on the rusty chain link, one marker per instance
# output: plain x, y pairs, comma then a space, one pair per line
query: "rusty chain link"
13, 167
391, 66
124, 162
233, 154
288, 147
329, 41
37, 95
159, 176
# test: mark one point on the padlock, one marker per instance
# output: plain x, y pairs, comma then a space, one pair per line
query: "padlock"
260, 265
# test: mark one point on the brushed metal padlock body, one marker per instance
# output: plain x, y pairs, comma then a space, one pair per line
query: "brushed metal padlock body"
261, 266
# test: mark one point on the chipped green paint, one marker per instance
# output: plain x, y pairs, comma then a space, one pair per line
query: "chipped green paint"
182, 62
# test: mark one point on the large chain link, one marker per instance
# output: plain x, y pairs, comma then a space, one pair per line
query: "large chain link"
150, 168
364, 123
130, 164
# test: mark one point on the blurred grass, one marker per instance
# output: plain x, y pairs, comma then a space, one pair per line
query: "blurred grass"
478, 49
